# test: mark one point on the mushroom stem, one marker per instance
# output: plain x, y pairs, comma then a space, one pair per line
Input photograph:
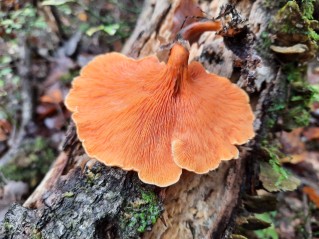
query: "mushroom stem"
179, 55
194, 30
178, 59
178, 64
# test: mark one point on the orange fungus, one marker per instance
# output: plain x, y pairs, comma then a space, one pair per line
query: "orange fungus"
158, 118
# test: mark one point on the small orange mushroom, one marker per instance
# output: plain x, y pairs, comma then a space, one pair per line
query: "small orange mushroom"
158, 118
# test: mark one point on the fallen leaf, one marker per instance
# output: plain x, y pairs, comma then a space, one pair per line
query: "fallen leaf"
46, 109
82, 16
291, 142
294, 146
311, 133
273, 182
52, 96
294, 158
5, 129
312, 194
109, 29
186, 12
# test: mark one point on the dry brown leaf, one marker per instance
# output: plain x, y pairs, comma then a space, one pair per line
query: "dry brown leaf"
53, 96
82, 16
295, 158
46, 109
273, 182
311, 133
5, 129
291, 142
186, 8
312, 194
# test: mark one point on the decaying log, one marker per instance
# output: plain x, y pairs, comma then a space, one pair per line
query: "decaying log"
80, 198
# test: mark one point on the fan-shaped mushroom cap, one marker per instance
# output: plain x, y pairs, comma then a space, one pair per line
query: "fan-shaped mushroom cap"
213, 116
158, 118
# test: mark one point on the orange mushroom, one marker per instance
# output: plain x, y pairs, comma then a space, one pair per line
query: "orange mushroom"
158, 118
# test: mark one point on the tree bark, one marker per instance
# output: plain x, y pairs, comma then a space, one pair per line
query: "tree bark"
81, 198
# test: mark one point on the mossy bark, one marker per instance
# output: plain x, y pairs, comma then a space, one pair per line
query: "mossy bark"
81, 198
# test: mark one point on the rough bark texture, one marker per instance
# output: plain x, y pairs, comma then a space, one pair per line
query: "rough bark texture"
80, 198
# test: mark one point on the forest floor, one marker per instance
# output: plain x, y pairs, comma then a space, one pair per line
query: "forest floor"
44, 44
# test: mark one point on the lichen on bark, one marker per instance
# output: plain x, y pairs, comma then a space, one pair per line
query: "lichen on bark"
77, 207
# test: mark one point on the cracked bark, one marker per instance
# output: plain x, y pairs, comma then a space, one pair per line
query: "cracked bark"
81, 198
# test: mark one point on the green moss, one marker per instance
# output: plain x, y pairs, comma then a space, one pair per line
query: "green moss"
269, 232
263, 45
140, 214
300, 117
36, 234
274, 155
7, 226
287, 109
291, 104
31, 163
68, 194
301, 95
277, 105
26, 19
313, 35
293, 24
308, 8
265, 36
91, 176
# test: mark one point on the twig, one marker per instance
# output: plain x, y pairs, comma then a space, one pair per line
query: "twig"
59, 23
